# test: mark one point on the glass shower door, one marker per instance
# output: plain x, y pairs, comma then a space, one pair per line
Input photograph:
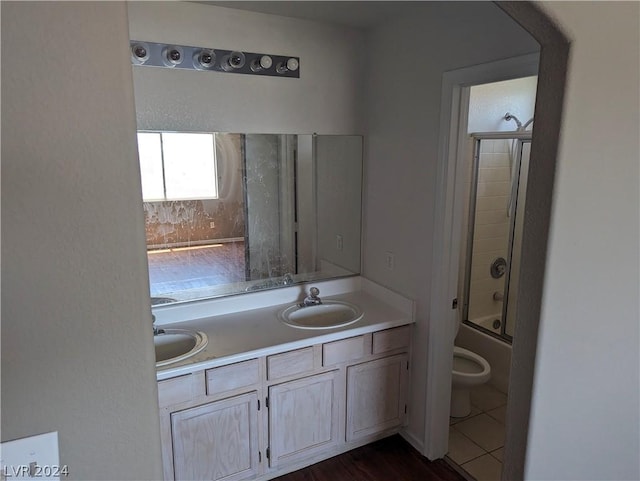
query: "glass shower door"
496, 208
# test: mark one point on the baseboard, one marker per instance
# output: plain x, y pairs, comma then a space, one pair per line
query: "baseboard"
417, 444
204, 242
341, 449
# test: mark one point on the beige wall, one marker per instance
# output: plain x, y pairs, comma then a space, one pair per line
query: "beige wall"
585, 417
401, 145
488, 103
77, 349
325, 99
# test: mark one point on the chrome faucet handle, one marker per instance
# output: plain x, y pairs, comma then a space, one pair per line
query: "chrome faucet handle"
313, 298
156, 330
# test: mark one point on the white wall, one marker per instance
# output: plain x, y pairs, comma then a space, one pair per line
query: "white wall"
338, 170
403, 115
77, 349
585, 418
489, 102
325, 99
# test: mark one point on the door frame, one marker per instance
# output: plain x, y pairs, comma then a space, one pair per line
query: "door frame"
454, 112
552, 75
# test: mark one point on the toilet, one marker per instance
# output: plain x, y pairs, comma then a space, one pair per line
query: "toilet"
469, 370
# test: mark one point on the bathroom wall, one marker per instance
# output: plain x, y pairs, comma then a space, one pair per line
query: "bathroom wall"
338, 167
489, 102
585, 413
326, 99
403, 113
585, 416
77, 348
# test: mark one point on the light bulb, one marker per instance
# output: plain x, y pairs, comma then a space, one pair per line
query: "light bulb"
261, 63
172, 56
291, 65
204, 59
139, 52
233, 61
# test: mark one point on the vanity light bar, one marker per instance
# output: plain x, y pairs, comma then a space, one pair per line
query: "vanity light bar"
200, 58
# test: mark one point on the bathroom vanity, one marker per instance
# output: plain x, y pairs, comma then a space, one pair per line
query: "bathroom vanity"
264, 398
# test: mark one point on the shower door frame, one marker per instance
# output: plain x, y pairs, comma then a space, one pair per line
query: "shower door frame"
521, 137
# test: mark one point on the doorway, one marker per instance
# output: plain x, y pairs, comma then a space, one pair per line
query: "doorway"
450, 209
494, 152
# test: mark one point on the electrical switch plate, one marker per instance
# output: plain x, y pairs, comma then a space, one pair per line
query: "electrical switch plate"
339, 242
390, 260
212, 224
32, 457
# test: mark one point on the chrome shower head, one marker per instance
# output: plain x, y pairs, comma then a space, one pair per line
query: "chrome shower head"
508, 117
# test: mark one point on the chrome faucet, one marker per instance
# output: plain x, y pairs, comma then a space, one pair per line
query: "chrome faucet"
313, 299
287, 279
156, 330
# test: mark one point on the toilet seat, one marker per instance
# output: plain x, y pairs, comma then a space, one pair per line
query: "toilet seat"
469, 366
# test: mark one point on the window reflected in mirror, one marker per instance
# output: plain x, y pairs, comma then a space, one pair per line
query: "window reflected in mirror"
177, 166
227, 213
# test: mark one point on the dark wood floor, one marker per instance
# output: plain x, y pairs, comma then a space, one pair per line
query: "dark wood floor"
391, 459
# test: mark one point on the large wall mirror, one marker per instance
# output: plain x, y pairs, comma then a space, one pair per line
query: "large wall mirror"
227, 213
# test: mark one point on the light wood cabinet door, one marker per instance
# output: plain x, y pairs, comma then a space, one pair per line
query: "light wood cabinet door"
376, 396
303, 418
217, 441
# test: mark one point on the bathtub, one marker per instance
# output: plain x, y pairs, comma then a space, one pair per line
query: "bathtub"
487, 322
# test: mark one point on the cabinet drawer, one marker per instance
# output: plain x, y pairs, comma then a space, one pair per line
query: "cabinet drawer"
391, 339
232, 377
344, 350
177, 390
289, 363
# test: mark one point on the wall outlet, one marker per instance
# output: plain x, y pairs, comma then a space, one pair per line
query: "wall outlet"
390, 260
32, 457
212, 224
339, 242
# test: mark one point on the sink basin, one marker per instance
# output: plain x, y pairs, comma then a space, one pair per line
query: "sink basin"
328, 315
175, 345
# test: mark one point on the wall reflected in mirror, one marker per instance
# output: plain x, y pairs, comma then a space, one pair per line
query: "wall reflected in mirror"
227, 213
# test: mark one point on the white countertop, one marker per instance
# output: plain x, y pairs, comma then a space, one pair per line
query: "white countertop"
258, 332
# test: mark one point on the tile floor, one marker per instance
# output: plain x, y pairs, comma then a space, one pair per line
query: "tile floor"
476, 443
